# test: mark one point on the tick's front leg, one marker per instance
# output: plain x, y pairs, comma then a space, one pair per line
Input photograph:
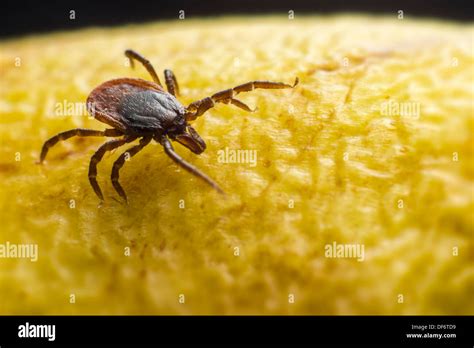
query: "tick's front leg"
199, 107
169, 150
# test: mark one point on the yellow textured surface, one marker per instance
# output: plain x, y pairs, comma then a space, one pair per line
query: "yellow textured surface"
328, 146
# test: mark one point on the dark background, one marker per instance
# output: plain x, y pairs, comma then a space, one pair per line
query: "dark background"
23, 17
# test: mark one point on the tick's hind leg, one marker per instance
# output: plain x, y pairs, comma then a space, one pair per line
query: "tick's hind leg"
80, 132
131, 55
97, 157
120, 162
171, 83
199, 107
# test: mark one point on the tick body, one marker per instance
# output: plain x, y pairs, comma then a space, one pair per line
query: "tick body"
142, 110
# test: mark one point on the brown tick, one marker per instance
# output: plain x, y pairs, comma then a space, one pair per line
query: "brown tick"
137, 108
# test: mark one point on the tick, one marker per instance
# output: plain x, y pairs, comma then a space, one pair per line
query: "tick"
140, 109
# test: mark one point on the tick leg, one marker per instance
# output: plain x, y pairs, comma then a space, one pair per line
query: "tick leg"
199, 107
120, 162
169, 150
171, 83
80, 132
97, 157
241, 105
131, 55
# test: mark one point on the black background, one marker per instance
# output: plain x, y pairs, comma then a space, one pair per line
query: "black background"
23, 17
288, 330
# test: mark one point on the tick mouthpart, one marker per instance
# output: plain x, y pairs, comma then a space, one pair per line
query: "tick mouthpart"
191, 140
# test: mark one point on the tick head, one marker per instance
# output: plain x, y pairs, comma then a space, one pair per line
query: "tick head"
191, 140
184, 134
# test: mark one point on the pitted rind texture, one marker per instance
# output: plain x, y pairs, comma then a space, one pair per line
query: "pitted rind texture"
336, 162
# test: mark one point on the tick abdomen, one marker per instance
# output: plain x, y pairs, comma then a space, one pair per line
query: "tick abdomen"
149, 110
106, 100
